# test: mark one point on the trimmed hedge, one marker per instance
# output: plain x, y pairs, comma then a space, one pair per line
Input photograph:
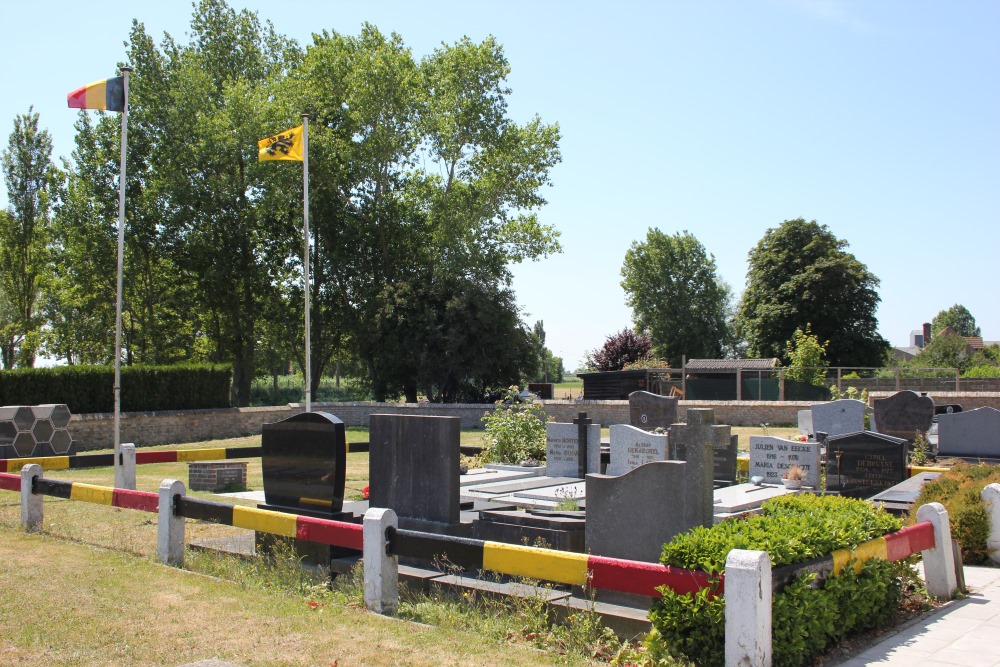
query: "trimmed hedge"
960, 491
144, 388
806, 620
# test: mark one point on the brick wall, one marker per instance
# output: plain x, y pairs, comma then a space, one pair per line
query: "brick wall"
95, 431
215, 475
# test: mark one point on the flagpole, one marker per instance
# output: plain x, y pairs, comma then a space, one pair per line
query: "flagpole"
119, 471
305, 253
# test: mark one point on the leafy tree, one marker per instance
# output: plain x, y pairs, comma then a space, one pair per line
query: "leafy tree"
421, 179
800, 272
619, 349
958, 318
33, 185
944, 351
672, 287
806, 356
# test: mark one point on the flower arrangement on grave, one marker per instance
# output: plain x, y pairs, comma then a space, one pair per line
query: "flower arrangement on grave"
365, 492
795, 472
800, 437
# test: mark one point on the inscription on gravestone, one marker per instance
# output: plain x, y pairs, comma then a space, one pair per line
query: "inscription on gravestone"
861, 465
632, 447
562, 455
304, 460
771, 457
648, 411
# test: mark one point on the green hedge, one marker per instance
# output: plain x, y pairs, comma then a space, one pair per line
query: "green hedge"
144, 388
960, 491
791, 529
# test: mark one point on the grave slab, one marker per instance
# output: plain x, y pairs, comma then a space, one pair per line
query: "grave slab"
970, 434
904, 414
632, 447
562, 449
846, 415
770, 458
863, 464
648, 411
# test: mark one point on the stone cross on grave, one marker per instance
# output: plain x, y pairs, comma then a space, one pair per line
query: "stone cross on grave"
582, 422
694, 442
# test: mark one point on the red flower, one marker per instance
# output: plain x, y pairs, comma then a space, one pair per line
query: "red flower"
364, 493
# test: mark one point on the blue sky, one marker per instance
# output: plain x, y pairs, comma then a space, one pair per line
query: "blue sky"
876, 118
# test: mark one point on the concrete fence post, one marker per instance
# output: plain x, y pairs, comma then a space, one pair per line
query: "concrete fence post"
170, 531
991, 498
31, 504
381, 568
128, 466
939, 561
748, 609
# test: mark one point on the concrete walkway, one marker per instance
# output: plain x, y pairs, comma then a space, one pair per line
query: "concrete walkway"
965, 632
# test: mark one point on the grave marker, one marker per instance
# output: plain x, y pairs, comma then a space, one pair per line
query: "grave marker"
770, 457
413, 466
846, 415
562, 449
972, 433
304, 460
632, 447
648, 411
695, 442
904, 414
863, 464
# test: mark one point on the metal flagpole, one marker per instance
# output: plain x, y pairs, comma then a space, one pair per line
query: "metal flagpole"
305, 252
119, 471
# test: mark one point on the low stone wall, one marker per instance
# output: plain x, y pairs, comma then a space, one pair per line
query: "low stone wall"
95, 431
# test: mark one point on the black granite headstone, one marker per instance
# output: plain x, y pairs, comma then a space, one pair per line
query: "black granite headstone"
304, 460
863, 464
648, 411
904, 414
413, 466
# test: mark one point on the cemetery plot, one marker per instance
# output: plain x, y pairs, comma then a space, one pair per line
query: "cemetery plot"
771, 457
861, 465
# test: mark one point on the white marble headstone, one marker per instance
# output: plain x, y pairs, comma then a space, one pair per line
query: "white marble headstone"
631, 447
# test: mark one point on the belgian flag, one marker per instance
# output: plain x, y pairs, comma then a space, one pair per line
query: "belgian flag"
108, 94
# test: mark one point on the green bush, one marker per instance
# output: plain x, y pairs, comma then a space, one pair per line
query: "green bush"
791, 529
88, 389
959, 490
515, 430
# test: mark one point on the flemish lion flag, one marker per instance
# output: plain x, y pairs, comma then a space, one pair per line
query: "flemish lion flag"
284, 146
108, 94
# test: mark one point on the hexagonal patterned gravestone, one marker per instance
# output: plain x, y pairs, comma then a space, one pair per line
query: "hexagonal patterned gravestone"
24, 444
42, 430
61, 442
60, 416
24, 418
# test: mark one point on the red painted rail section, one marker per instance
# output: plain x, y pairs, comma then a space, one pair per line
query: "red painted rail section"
10, 482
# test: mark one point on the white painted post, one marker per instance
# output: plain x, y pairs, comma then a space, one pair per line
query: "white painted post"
170, 532
748, 609
381, 568
991, 498
128, 466
939, 562
31, 504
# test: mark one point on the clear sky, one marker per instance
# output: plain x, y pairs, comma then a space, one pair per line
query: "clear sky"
878, 119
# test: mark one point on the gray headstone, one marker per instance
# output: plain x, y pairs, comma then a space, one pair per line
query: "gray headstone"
648, 411
725, 461
864, 464
632, 447
695, 443
836, 417
904, 414
413, 466
806, 422
561, 453
970, 434
633, 515
770, 457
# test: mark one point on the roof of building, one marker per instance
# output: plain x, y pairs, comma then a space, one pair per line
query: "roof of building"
731, 365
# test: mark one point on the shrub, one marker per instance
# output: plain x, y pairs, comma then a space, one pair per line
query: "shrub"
791, 529
515, 430
959, 491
